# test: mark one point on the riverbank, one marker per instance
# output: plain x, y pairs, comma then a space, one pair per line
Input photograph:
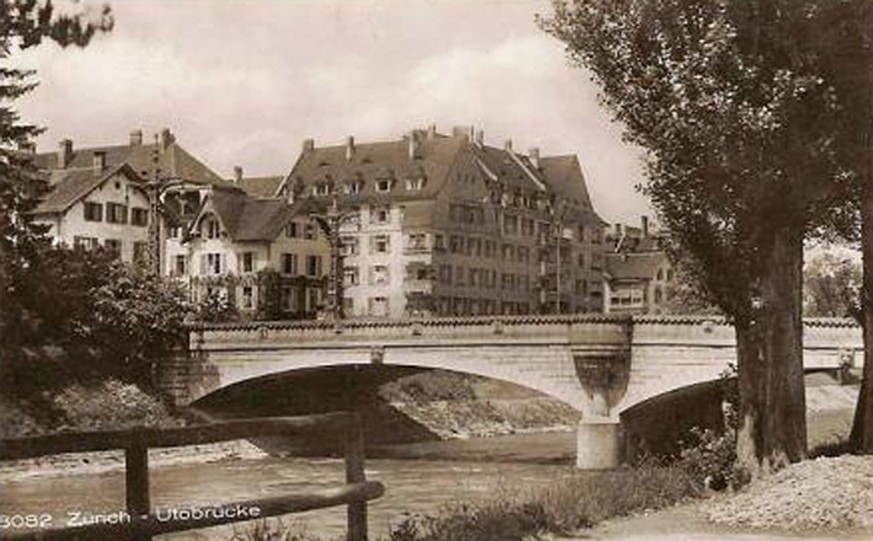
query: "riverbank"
98, 462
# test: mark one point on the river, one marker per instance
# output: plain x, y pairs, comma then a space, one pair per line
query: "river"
412, 485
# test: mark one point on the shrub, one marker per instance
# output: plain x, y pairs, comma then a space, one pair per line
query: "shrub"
272, 530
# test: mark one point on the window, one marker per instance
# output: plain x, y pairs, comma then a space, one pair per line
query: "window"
291, 230
416, 241
381, 215
474, 247
85, 243
248, 262
383, 185
139, 216
313, 266
313, 299
212, 229
116, 213
508, 252
456, 244
321, 189
349, 246
445, 274
381, 244
582, 260
378, 306
173, 232
523, 253
356, 186
289, 264
473, 277
247, 301
113, 246
213, 263
439, 242
310, 232
288, 299
180, 265
527, 227
351, 276
379, 275
140, 253
460, 275
510, 225
93, 212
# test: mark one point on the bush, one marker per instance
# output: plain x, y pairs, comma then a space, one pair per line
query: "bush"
272, 530
110, 405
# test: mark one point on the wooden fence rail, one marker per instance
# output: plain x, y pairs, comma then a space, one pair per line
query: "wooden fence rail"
141, 524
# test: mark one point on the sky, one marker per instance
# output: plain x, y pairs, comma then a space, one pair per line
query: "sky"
243, 82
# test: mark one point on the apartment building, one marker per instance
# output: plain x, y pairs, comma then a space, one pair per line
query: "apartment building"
264, 255
447, 225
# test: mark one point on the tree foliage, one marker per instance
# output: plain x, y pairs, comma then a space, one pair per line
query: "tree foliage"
738, 108
832, 287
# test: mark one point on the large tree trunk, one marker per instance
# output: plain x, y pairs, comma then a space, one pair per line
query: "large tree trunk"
861, 439
772, 429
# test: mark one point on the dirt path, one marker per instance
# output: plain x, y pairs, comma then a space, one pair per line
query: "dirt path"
687, 522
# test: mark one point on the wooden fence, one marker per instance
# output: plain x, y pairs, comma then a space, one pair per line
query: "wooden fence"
142, 524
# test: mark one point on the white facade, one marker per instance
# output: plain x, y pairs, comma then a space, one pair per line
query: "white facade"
113, 215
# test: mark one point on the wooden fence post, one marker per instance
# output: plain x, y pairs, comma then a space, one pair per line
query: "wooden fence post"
357, 511
136, 471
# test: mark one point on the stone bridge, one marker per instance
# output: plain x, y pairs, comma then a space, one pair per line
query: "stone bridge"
601, 365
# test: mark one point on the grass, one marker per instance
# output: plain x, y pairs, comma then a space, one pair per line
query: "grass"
579, 500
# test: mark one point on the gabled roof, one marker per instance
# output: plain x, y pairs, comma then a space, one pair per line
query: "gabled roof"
372, 162
251, 219
516, 170
261, 186
565, 176
634, 266
173, 161
76, 184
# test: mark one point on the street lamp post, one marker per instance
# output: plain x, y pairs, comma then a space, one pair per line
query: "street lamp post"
330, 223
155, 188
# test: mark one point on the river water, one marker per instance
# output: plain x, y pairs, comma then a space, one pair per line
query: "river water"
412, 485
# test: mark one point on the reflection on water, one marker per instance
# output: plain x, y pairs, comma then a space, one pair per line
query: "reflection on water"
413, 486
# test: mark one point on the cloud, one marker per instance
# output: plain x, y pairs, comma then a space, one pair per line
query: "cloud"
245, 82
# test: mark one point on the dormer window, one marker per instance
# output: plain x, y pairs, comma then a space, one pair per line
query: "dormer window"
383, 185
415, 184
355, 186
321, 189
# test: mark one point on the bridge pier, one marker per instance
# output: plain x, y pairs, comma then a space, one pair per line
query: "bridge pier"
598, 443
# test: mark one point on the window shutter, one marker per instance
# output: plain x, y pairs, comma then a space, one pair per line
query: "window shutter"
222, 263
202, 264
318, 265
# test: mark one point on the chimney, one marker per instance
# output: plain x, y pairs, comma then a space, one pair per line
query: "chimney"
480, 137
350, 148
414, 145
534, 156
507, 145
237, 174
136, 138
98, 159
166, 138
431, 131
308, 145
644, 222
65, 153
